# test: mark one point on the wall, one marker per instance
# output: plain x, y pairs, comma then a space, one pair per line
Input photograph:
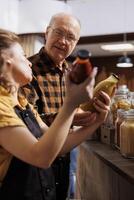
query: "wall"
9, 14
34, 15
97, 17
107, 65
105, 16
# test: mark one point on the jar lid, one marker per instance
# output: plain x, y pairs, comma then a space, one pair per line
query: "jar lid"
131, 111
122, 112
83, 54
130, 114
131, 94
120, 96
122, 92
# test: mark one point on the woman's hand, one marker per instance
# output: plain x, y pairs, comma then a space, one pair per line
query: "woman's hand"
80, 93
101, 107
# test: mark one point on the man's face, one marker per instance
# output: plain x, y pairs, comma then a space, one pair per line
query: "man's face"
61, 38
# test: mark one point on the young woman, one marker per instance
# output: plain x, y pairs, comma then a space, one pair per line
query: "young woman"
25, 151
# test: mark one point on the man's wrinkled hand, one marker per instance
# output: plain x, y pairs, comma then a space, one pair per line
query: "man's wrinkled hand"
84, 119
101, 107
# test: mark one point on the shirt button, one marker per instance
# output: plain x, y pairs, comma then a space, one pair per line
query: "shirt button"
26, 115
48, 190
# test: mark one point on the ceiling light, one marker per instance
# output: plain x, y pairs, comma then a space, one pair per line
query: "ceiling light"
118, 47
124, 62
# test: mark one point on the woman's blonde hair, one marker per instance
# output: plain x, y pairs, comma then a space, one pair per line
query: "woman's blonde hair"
7, 38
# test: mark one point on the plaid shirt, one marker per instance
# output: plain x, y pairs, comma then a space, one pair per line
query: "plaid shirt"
47, 90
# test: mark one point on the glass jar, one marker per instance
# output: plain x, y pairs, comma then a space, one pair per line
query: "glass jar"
131, 97
119, 120
127, 135
108, 86
122, 90
119, 102
81, 67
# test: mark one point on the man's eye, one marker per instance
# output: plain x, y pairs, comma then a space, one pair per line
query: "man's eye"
71, 38
58, 32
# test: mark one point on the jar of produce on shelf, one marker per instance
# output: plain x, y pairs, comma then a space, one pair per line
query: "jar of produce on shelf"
127, 135
119, 120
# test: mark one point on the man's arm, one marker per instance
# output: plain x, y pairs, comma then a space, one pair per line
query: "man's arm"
48, 118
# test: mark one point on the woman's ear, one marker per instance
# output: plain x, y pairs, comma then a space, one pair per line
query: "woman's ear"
8, 62
6, 68
8, 65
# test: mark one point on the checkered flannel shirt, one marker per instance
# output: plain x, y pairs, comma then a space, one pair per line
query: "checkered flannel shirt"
47, 90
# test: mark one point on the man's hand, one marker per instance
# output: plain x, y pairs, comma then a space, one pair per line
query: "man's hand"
82, 118
101, 107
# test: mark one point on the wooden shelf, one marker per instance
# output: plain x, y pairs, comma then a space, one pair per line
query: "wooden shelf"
103, 174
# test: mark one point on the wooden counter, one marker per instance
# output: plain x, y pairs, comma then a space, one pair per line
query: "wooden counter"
103, 174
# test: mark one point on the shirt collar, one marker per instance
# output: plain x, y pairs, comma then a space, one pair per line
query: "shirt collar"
47, 61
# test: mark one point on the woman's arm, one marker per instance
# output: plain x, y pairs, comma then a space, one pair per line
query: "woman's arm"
22, 144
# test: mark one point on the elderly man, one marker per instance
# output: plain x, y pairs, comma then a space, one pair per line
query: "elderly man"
47, 91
